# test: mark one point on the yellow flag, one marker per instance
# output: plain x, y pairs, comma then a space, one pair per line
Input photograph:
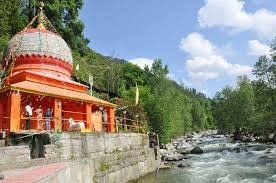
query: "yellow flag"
77, 67
137, 95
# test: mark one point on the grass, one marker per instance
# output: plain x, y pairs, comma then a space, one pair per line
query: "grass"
104, 166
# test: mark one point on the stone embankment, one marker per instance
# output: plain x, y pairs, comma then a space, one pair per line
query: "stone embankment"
85, 158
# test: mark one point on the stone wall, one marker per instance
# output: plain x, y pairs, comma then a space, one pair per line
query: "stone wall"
11, 156
92, 157
75, 145
111, 168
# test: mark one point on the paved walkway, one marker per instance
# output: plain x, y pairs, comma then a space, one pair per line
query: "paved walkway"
34, 174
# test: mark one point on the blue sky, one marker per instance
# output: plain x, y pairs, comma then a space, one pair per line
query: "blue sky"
205, 43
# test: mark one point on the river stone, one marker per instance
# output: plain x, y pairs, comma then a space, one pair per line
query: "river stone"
163, 152
268, 150
183, 145
218, 136
248, 139
269, 137
170, 148
274, 138
237, 150
182, 165
196, 150
174, 157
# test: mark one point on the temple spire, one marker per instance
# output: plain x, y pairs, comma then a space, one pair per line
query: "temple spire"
41, 17
43, 23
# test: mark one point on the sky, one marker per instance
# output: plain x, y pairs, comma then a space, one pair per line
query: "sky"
205, 43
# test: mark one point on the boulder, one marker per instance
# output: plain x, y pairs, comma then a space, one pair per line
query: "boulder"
174, 157
163, 152
183, 145
182, 165
237, 150
218, 136
274, 139
170, 148
269, 137
268, 151
248, 139
196, 150
237, 136
205, 135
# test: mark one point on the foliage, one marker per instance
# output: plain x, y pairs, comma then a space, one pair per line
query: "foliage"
235, 107
250, 106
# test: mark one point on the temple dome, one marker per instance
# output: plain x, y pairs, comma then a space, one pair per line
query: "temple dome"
41, 43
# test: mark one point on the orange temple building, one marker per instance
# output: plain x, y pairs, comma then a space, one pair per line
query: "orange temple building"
38, 66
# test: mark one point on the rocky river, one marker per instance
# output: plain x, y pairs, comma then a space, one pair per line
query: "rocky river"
216, 159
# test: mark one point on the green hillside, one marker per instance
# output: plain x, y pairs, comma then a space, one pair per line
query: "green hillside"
164, 106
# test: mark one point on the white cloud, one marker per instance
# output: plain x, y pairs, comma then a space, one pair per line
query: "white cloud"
205, 63
257, 49
231, 13
142, 62
196, 45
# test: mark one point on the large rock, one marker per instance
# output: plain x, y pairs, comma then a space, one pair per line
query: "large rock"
196, 150
174, 157
269, 137
183, 165
274, 138
248, 139
163, 152
237, 136
183, 145
218, 136
170, 148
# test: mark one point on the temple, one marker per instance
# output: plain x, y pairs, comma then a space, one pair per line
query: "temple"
38, 65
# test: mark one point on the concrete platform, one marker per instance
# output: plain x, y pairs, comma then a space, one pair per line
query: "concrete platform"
33, 174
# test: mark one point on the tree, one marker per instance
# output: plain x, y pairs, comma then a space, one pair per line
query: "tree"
235, 107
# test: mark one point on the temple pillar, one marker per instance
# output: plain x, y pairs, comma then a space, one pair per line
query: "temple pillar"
111, 119
88, 116
14, 105
1, 113
58, 114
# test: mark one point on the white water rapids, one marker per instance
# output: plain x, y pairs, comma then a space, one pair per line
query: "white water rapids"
223, 162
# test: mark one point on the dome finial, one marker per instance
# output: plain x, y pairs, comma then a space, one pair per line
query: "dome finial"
41, 17
41, 5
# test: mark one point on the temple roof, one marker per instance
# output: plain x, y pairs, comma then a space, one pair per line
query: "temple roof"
47, 90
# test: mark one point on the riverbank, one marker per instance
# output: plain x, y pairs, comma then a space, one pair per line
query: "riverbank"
222, 160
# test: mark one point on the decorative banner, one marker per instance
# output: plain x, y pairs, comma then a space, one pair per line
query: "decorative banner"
137, 95
91, 81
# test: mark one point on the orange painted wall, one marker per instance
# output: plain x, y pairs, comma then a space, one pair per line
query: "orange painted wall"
15, 107
5, 114
88, 116
111, 120
58, 114
1, 112
97, 120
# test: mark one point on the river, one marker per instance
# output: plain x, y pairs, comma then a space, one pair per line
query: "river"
222, 162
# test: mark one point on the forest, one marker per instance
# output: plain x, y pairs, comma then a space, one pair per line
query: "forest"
165, 106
